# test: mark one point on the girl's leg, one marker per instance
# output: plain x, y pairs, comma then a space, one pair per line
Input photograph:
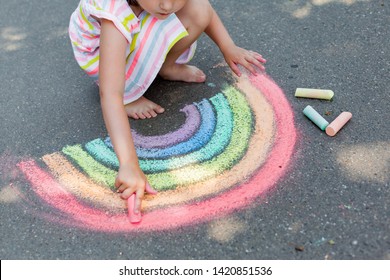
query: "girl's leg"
195, 16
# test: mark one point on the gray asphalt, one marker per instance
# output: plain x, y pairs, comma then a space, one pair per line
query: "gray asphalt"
333, 203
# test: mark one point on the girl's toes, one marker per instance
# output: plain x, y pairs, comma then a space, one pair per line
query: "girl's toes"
147, 114
152, 113
134, 116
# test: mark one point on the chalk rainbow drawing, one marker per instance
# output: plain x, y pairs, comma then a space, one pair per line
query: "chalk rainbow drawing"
232, 148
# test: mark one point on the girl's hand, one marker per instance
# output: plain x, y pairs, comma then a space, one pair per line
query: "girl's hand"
131, 179
235, 55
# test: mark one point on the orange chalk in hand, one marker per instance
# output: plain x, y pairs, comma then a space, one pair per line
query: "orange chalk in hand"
338, 123
134, 217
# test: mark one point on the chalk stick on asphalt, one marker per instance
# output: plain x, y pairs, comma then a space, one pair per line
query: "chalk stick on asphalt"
134, 218
338, 123
315, 117
326, 94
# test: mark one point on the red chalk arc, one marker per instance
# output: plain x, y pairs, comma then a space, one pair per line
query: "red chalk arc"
266, 168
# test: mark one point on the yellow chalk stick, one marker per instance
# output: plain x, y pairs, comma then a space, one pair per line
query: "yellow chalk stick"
326, 94
338, 123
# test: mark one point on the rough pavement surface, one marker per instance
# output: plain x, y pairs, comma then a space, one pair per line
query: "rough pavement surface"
333, 201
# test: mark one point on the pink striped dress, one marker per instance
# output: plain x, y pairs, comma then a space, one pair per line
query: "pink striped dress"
149, 40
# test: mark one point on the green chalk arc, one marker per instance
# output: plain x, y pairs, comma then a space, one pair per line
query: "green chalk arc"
216, 145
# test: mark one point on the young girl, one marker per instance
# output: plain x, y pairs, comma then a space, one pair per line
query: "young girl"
125, 44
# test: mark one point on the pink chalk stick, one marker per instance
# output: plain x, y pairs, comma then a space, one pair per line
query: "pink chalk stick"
134, 217
338, 123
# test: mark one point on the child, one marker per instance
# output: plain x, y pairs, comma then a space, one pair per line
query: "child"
125, 44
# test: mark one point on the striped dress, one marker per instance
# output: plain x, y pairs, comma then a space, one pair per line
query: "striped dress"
149, 40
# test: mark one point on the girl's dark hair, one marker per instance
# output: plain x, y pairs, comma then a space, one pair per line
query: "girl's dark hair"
133, 2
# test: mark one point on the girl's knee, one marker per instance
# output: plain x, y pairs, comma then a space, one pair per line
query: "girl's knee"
196, 13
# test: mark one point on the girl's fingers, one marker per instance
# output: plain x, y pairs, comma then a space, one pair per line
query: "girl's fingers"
138, 201
127, 193
149, 189
261, 59
235, 69
247, 62
254, 59
250, 68
258, 56
257, 63
117, 183
121, 188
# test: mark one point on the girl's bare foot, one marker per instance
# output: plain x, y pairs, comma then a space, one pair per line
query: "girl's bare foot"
182, 72
143, 108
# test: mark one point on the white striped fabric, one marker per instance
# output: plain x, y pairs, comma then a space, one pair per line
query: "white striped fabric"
149, 41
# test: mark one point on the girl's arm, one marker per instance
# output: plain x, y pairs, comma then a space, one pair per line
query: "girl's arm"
233, 54
112, 64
